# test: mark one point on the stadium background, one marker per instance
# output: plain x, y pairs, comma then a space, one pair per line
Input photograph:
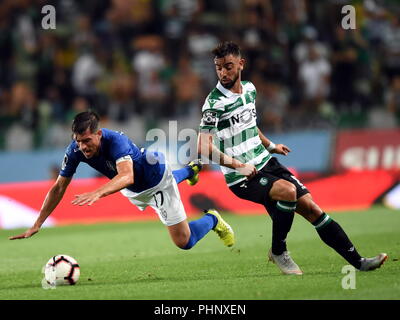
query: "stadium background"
332, 95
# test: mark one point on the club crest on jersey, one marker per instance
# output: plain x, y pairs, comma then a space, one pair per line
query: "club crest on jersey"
209, 118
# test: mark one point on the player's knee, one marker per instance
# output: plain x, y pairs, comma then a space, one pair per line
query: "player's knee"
182, 241
291, 192
284, 190
189, 245
182, 244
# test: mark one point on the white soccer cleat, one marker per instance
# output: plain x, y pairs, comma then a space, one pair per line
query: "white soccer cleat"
369, 264
285, 263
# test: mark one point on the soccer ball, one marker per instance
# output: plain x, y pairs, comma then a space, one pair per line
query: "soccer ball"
61, 270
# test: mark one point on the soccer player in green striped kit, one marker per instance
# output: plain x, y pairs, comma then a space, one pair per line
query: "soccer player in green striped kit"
230, 136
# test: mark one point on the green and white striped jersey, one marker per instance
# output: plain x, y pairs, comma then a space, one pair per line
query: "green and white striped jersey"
231, 117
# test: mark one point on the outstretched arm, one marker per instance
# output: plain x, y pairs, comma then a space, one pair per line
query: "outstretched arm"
271, 147
206, 148
123, 179
51, 201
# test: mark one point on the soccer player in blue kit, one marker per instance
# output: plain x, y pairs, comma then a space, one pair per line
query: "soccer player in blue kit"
144, 177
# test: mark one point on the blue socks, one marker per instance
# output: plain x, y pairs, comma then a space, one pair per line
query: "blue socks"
199, 228
182, 174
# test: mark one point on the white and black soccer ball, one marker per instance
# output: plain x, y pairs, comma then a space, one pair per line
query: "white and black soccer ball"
61, 270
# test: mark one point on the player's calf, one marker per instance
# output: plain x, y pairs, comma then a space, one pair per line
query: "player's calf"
180, 234
185, 235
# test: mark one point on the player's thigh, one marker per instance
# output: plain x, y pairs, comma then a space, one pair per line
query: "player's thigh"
166, 201
285, 180
283, 190
255, 189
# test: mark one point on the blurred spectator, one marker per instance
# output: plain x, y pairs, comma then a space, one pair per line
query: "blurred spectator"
6, 51
131, 13
122, 88
50, 108
294, 18
200, 43
6, 116
149, 62
391, 57
376, 23
344, 59
314, 76
23, 104
140, 63
83, 36
178, 15
393, 98
79, 105
308, 42
272, 104
47, 47
187, 89
86, 71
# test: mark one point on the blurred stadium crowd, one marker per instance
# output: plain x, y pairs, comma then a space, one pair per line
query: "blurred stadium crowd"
150, 61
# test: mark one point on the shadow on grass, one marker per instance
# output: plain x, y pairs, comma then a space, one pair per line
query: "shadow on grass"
269, 273
177, 279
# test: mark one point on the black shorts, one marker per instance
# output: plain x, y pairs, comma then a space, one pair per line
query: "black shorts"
257, 189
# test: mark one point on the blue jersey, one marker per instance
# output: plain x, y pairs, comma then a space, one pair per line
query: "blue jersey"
148, 166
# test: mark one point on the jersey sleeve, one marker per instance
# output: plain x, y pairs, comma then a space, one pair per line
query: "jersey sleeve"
252, 90
69, 163
211, 112
121, 149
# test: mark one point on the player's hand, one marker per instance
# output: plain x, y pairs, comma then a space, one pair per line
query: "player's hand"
248, 170
27, 234
86, 198
281, 149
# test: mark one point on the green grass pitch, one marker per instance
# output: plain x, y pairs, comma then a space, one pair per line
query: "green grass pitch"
139, 261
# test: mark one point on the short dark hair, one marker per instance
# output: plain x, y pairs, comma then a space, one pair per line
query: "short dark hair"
85, 120
226, 48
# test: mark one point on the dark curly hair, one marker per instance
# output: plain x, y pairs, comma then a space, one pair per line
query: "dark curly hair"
226, 48
85, 120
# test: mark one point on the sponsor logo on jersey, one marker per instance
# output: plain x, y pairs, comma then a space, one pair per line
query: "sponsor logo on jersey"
263, 181
244, 117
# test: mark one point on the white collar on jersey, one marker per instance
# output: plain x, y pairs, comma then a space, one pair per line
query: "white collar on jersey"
226, 92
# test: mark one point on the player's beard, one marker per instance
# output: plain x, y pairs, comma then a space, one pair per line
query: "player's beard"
230, 84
